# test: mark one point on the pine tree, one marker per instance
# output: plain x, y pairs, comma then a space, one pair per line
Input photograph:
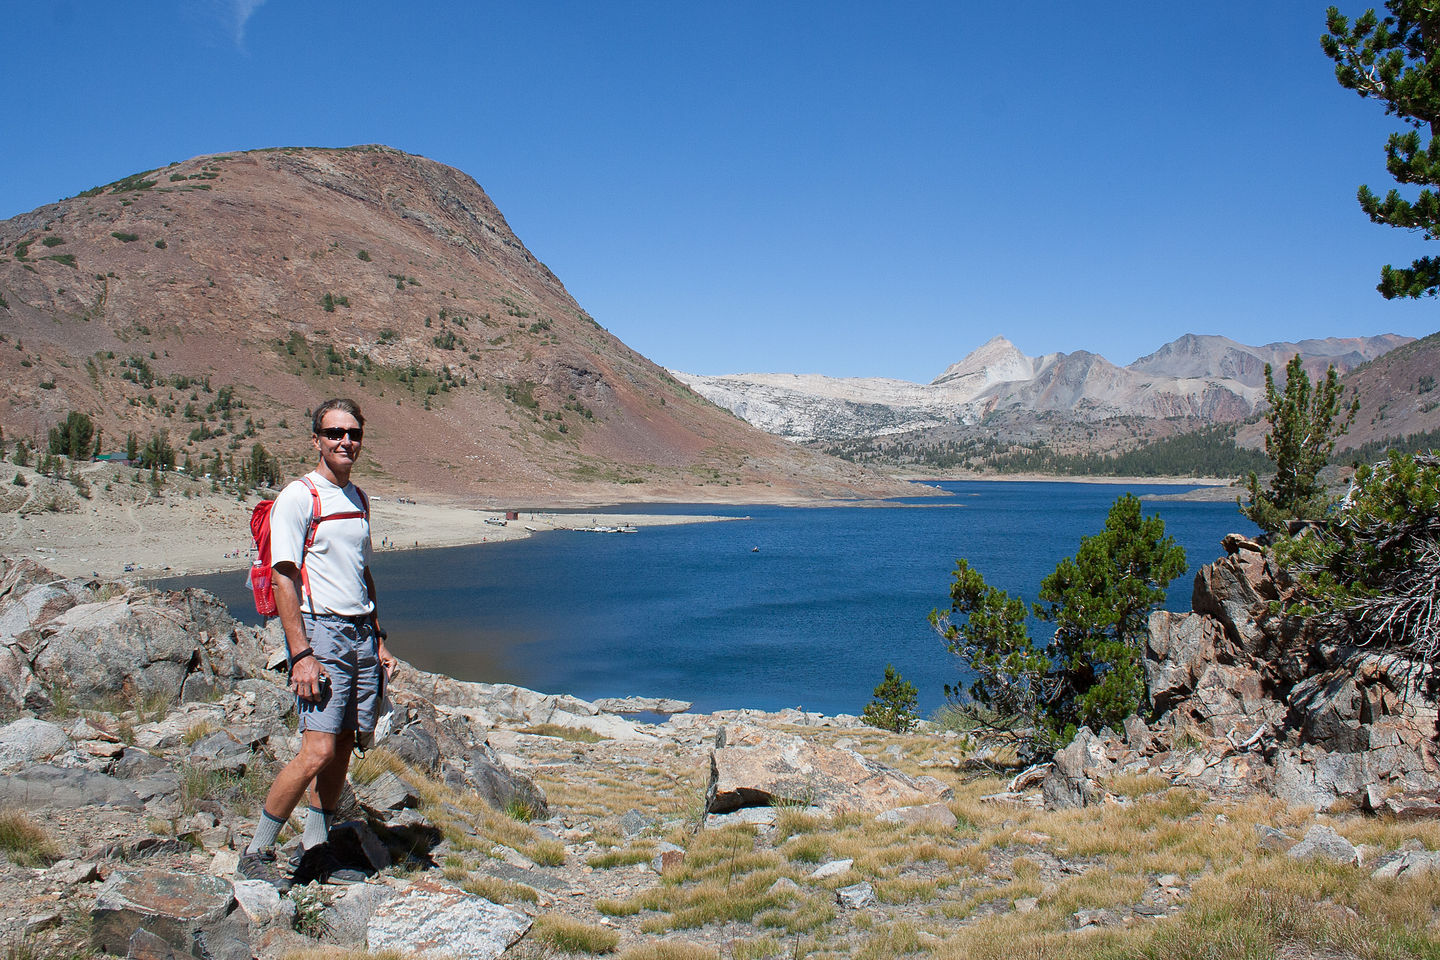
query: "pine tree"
894, 705
1305, 422
1100, 601
1389, 60
71, 437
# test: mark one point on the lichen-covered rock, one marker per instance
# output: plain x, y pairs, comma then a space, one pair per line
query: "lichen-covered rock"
416, 746
434, 921
43, 785
1236, 591
1323, 842
87, 641
196, 915
28, 739
756, 767
1073, 780
502, 787
1409, 865
1177, 645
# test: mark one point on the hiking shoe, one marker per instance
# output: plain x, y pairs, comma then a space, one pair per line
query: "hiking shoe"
262, 866
319, 863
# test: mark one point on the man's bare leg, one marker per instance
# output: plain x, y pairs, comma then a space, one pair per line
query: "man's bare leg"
325, 792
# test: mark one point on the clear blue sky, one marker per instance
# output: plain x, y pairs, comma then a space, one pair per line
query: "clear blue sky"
855, 189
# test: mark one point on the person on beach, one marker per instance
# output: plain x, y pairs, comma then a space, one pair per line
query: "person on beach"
339, 663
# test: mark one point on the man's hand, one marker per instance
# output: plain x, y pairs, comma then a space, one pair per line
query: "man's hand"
308, 679
387, 661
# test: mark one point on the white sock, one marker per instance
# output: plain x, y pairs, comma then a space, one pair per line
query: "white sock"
265, 833
317, 828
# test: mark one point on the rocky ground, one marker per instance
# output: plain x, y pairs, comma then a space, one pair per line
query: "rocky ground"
497, 821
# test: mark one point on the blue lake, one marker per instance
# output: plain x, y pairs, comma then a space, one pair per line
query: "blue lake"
697, 612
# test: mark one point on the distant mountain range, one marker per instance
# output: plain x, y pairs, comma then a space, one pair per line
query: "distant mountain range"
1206, 379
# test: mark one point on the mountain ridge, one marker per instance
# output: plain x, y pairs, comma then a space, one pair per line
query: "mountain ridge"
220, 297
1207, 378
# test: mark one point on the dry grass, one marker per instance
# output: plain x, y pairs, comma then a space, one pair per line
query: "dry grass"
950, 892
1288, 913
547, 853
575, 734
891, 941
573, 936
617, 787
244, 791
1388, 833
496, 890
1137, 785
340, 953
804, 914
1238, 901
195, 733
24, 841
376, 761
755, 948
1245, 903
622, 858
670, 950
724, 879
476, 826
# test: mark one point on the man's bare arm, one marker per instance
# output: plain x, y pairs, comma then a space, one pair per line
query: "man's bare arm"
305, 675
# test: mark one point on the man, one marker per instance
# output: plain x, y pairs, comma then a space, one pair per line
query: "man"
325, 599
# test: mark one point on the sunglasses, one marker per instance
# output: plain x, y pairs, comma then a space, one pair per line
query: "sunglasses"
340, 433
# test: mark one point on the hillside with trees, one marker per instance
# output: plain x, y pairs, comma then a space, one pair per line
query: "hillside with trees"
205, 307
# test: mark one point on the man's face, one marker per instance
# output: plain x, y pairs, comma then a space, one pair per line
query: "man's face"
339, 453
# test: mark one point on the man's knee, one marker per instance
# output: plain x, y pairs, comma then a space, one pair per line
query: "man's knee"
317, 750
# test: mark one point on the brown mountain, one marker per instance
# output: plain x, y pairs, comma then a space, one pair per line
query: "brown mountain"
220, 298
1398, 393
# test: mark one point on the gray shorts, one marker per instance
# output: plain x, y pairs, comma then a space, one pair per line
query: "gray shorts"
348, 650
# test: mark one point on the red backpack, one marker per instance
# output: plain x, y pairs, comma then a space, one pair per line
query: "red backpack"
261, 575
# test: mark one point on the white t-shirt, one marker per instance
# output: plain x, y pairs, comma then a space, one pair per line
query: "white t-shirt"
335, 564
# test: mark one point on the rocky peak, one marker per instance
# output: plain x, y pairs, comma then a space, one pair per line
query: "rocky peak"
1200, 378
995, 361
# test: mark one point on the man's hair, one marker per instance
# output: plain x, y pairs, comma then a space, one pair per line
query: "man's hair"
343, 404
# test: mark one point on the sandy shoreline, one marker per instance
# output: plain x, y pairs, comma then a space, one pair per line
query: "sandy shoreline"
161, 540
1054, 478
128, 530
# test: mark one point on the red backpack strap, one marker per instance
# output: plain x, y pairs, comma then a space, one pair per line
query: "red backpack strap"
316, 517
311, 526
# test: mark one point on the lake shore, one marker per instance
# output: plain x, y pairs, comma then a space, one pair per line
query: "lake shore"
917, 477
167, 540
127, 528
